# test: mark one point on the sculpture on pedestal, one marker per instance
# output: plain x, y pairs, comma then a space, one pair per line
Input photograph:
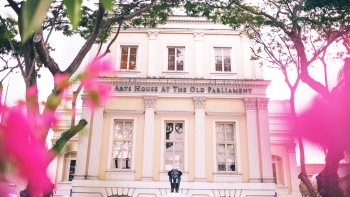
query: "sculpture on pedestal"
174, 179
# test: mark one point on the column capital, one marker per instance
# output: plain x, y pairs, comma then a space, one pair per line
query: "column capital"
199, 102
250, 103
152, 35
198, 36
150, 101
262, 103
291, 147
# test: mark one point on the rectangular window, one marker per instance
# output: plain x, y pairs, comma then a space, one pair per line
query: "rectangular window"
225, 146
122, 144
69, 166
176, 58
128, 57
277, 170
174, 145
222, 59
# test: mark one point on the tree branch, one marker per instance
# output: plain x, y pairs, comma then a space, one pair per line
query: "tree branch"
64, 138
110, 21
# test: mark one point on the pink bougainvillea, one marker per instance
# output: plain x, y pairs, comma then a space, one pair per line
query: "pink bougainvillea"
96, 94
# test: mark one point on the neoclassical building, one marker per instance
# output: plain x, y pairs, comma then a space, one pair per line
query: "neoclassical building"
185, 96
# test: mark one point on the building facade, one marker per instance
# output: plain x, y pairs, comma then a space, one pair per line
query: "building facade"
185, 96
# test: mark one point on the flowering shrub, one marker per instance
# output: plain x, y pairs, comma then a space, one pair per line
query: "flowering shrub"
23, 131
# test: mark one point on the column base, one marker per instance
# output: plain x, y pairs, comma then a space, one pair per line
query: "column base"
255, 180
200, 180
79, 177
89, 177
268, 180
146, 179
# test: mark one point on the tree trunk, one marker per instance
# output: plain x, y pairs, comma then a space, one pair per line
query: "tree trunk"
328, 179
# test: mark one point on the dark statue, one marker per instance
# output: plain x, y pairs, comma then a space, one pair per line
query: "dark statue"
174, 179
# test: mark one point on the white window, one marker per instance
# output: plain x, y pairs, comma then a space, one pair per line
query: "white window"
225, 146
122, 144
222, 59
176, 58
128, 57
69, 166
277, 169
174, 145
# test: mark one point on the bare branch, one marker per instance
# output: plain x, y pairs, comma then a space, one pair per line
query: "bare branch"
110, 43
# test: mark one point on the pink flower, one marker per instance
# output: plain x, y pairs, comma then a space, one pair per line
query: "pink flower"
96, 93
62, 81
23, 149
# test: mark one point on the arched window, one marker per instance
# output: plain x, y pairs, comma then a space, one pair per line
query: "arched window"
69, 166
277, 169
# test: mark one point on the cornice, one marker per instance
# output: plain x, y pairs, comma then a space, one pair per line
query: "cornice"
185, 82
239, 114
184, 113
115, 111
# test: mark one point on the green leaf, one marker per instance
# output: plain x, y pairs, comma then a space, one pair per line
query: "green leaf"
74, 12
107, 4
34, 12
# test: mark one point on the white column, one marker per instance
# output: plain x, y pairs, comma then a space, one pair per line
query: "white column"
246, 57
96, 134
252, 132
198, 38
152, 53
199, 133
293, 169
147, 167
265, 146
83, 144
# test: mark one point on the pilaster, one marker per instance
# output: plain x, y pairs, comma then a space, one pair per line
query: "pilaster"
252, 132
265, 145
199, 106
83, 141
246, 57
148, 138
152, 52
96, 134
293, 171
198, 37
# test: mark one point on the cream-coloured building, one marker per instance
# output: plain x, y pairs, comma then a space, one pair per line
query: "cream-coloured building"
185, 96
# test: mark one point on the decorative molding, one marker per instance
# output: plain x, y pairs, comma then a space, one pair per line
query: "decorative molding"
186, 82
175, 112
198, 36
115, 111
150, 101
262, 103
239, 114
291, 147
199, 102
250, 103
152, 35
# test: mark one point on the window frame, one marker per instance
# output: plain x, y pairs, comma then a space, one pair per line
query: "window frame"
225, 142
222, 59
163, 172
223, 74
127, 72
176, 58
122, 140
175, 141
175, 73
282, 171
120, 173
227, 176
65, 170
